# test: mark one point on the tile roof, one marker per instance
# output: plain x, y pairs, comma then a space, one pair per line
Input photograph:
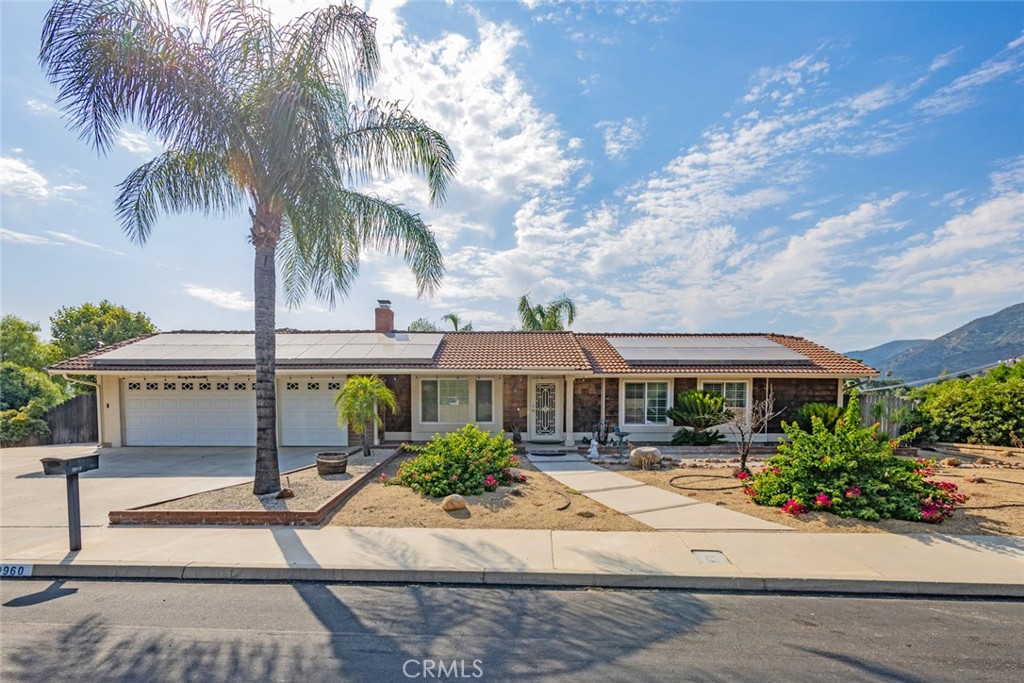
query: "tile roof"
606, 360
511, 351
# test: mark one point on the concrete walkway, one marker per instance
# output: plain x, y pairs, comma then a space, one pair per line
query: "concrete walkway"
925, 564
650, 505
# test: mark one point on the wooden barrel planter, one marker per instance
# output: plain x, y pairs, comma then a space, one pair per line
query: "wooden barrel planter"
331, 463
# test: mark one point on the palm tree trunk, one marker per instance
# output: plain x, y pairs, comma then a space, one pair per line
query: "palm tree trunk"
268, 475
366, 439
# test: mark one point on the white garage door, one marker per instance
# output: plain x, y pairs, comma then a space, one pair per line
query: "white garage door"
308, 415
189, 412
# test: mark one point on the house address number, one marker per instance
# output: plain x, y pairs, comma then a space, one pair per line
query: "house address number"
15, 570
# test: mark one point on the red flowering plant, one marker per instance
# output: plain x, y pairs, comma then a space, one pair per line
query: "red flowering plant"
468, 462
851, 472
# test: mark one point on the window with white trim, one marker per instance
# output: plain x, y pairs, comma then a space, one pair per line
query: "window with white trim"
645, 403
456, 401
735, 393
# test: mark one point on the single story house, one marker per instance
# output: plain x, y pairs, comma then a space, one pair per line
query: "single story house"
197, 388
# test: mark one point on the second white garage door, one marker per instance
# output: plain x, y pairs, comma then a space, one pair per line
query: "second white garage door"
308, 415
189, 412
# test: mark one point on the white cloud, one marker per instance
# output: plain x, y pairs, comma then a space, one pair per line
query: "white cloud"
138, 143
19, 179
15, 237
72, 239
1014, 44
40, 107
962, 92
621, 137
943, 60
222, 298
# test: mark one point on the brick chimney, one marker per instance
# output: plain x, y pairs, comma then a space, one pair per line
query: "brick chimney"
384, 317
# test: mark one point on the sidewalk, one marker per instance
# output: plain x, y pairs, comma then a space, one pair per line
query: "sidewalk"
924, 564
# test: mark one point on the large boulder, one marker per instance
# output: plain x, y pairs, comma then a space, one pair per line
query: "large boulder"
453, 502
645, 458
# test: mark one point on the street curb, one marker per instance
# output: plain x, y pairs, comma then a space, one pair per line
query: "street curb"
554, 579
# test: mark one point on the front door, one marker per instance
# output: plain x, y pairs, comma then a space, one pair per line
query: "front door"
546, 410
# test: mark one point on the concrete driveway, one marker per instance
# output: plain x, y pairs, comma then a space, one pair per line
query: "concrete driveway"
33, 507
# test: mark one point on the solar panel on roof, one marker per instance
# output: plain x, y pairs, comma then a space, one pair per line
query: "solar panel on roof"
205, 349
703, 350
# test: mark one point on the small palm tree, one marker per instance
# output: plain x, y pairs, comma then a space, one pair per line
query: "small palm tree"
260, 118
358, 403
540, 317
699, 411
457, 324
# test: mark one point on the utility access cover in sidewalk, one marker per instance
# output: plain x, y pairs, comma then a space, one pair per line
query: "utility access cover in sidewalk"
710, 556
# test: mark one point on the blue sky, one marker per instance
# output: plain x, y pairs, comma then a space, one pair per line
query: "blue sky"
852, 173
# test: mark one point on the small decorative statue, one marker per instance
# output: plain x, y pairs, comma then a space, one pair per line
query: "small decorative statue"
593, 454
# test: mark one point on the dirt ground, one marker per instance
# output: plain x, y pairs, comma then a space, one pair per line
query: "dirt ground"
966, 520
538, 508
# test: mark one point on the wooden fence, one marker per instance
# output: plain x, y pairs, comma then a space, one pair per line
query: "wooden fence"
73, 421
882, 408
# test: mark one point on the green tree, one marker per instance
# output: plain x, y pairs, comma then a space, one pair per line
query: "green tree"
457, 324
80, 329
422, 325
358, 403
20, 344
22, 386
556, 315
254, 116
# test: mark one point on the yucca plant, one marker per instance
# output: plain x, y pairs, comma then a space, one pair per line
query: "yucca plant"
699, 411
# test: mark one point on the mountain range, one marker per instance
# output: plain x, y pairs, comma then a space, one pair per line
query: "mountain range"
982, 341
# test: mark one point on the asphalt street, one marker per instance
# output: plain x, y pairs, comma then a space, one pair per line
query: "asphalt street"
175, 631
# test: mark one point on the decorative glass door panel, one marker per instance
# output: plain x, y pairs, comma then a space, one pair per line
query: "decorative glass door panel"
544, 409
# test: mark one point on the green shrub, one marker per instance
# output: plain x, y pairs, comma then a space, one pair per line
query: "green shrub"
699, 411
828, 413
986, 410
692, 437
468, 462
851, 473
17, 425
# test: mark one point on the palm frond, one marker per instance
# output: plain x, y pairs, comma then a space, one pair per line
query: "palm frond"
124, 60
327, 230
339, 39
530, 317
175, 182
385, 139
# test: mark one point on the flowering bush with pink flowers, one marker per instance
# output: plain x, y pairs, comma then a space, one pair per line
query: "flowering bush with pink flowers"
851, 472
468, 462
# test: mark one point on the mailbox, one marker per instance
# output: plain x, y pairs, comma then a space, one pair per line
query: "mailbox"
61, 466
71, 468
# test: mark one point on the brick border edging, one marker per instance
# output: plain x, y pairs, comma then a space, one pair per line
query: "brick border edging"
144, 515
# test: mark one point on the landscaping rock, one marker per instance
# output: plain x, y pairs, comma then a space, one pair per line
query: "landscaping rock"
515, 491
453, 502
586, 514
950, 462
974, 479
980, 461
645, 457
285, 493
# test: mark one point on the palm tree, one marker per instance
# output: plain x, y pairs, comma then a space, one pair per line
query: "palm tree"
357, 404
255, 116
456, 322
540, 317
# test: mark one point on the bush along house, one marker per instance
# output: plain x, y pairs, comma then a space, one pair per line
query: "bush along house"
196, 388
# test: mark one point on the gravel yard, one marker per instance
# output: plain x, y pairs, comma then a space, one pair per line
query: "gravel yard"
969, 519
537, 508
310, 488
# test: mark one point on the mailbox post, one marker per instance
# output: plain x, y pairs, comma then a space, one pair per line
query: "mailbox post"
71, 468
